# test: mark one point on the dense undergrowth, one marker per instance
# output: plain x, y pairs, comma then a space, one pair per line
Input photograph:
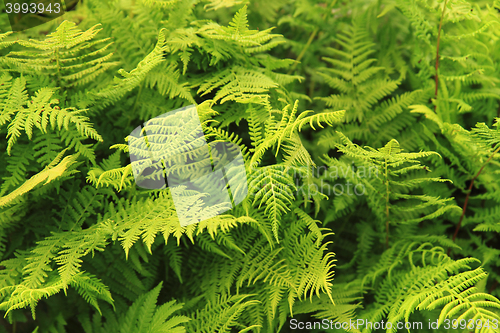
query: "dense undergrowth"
370, 135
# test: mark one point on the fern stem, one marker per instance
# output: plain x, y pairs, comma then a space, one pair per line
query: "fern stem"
309, 41
436, 77
311, 88
136, 102
67, 205
58, 68
386, 206
468, 195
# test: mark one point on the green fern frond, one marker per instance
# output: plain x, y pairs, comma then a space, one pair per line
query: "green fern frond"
251, 40
131, 80
67, 54
354, 75
221, 315
238, 84
275, 190
393, 174
216, 4
54, 170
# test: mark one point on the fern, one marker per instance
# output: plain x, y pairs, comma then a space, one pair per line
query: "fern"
69, 48
390, 165
368, 133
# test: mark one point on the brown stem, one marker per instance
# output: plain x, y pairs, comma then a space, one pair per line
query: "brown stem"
493, 287
468, 195
436, 77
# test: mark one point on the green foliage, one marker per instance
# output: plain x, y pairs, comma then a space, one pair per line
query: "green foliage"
370, 135
68, 55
